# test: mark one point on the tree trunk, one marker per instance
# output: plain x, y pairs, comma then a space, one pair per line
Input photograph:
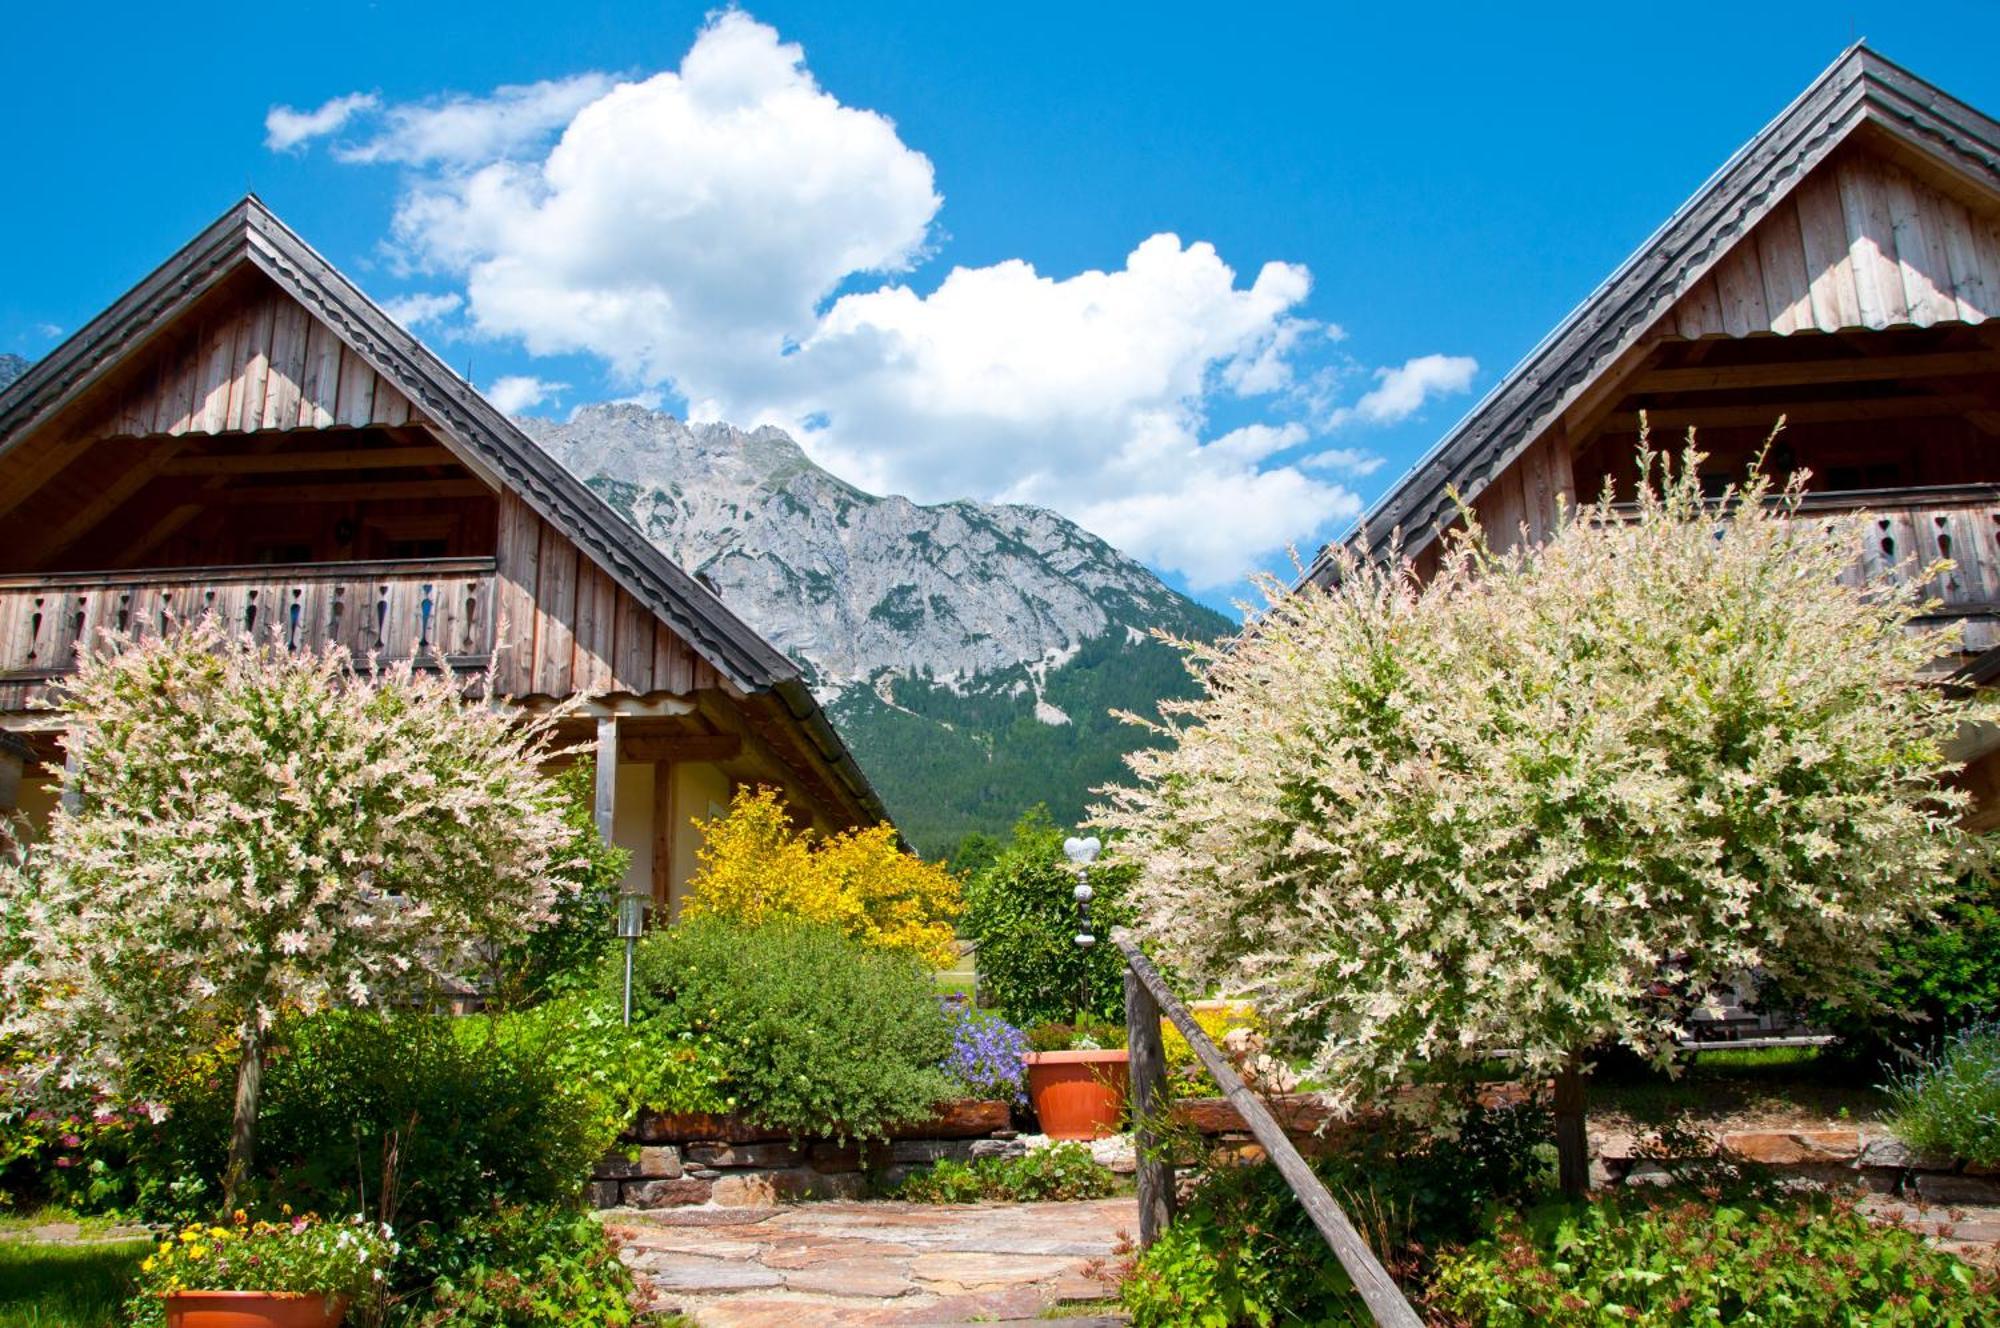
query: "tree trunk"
1572, 1141
243, 1125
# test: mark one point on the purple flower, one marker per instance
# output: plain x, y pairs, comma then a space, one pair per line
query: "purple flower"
986, 1052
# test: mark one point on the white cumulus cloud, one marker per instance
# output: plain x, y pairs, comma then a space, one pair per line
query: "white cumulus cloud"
286, 127
713, 230
1401, 392
514, 393
420, 308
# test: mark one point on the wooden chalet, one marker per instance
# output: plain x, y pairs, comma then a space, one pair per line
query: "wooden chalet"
246, 434
1841, 270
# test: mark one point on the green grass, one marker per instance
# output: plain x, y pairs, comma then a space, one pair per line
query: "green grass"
65, 1286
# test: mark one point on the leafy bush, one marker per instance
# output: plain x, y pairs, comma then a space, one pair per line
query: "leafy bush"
1058, 1172
1022, 913
302, 1254
1951, 1104
564, 954
985, 1059
524, 1268
583, 1040
824, 1035
1933, 979
1243, 1250
470, 1120
755, 868
1666, 1261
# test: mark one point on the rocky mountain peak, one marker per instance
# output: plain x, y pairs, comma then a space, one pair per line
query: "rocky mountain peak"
860, 587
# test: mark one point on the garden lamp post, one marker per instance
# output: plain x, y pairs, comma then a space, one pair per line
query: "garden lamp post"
631, 925
1082, 852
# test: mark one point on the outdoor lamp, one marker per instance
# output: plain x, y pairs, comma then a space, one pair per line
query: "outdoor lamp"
1082, 852
632, 910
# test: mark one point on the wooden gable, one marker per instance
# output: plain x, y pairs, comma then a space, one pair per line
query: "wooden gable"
1860, 243
260, 362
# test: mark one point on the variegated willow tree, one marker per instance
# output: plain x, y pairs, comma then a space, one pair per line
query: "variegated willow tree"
1549, 799
249, 832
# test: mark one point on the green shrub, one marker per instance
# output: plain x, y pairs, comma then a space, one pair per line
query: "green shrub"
522, 1268
1933, 980
1951, 1104
471, 1120
622, 1070
823, 1036
1058, 1172
1243, 1250
1022, 912
565, 955
1667, 1261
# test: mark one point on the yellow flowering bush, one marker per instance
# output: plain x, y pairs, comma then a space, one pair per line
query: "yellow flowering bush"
300, 1254
755, 868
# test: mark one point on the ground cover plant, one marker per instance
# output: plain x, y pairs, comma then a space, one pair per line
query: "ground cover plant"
517, 1267
757, 868
1243, 1251
1059, 1172
1776, 1261
824, 1036
256, 830
1555, 796
1949, 1103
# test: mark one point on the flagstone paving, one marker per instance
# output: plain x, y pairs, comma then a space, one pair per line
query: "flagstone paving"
855, 1265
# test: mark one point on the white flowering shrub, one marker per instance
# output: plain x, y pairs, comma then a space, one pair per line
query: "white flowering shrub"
1547, 797
256, 832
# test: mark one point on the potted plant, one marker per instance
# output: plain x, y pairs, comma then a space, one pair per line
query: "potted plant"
299, 1273
1077, 1078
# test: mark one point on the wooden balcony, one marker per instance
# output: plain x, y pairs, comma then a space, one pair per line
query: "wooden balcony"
1908, 530
437, 611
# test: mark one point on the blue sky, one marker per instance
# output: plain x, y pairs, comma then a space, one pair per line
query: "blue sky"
876, 223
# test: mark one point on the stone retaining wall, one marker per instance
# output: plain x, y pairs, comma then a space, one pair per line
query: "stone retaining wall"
1856, 1158
674, 1161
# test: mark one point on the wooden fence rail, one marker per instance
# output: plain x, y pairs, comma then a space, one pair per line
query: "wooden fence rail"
1146, 999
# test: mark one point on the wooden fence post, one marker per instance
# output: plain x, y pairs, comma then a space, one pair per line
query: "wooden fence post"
1149, 1098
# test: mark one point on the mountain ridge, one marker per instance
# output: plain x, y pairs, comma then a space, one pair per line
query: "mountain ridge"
970, 652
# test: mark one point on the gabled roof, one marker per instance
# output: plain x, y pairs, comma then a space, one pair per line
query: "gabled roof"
477, 432
1861, 88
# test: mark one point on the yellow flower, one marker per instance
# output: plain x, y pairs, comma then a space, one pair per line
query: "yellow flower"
146, 1264
196, 1251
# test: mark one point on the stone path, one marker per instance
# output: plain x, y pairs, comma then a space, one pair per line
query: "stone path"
853, 1264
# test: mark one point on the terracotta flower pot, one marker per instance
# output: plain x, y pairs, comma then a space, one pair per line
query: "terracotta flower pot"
254, 1309
1077, 1094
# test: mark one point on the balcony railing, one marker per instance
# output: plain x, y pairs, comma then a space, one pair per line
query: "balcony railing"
1909, 530
437, 611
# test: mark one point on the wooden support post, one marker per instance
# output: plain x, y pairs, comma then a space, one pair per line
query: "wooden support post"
607, 775
666, 829
1149, 1100
72, 787
14, 756
1572, 1136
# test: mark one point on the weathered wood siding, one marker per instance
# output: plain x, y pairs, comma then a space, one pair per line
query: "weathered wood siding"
438, 611
1860, 243
568, 627
1525, 496
260, 363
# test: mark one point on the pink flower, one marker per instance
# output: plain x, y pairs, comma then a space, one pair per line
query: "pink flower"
65, 1161
71, 1141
